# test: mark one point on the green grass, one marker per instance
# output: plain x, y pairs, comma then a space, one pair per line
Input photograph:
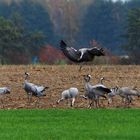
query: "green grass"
70, 124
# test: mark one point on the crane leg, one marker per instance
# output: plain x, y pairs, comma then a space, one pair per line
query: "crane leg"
29, 96
2, 103
90, 104
72, 102
60, 100
96, 104
37, 102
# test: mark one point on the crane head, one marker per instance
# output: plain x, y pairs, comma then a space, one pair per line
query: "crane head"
87, 77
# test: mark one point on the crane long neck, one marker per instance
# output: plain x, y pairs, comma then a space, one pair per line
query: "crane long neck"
88, 85
101, 81
26, 77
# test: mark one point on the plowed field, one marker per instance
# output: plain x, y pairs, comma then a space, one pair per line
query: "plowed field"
59, 78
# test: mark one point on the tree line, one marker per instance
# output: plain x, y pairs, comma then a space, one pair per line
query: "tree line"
26, 27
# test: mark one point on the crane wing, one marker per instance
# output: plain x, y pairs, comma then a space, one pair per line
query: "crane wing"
40, 88
96, 51
70, 52
3, 90
103, 89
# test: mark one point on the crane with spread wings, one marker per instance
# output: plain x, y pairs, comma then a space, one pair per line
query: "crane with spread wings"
80, 55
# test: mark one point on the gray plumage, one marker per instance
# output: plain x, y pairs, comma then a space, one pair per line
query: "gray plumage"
126, 93
81, 55
32, 89
70, 93
4, 90
91, 92
99, 86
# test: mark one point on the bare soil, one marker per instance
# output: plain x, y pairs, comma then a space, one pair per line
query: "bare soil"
59, 78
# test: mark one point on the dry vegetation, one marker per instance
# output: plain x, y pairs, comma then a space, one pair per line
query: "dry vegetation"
62, 77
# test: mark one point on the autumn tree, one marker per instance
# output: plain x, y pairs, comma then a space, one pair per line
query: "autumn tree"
133, 35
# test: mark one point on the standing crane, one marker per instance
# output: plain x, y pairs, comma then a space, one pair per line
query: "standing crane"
33, 90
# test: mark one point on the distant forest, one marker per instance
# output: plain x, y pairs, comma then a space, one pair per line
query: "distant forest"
27, 26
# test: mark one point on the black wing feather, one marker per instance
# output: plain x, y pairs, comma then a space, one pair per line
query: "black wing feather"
70, 52
96, 51
103, 89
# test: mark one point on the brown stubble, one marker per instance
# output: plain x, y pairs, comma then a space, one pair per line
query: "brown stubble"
61, 77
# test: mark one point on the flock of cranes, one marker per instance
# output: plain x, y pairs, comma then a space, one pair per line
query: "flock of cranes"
93, 93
